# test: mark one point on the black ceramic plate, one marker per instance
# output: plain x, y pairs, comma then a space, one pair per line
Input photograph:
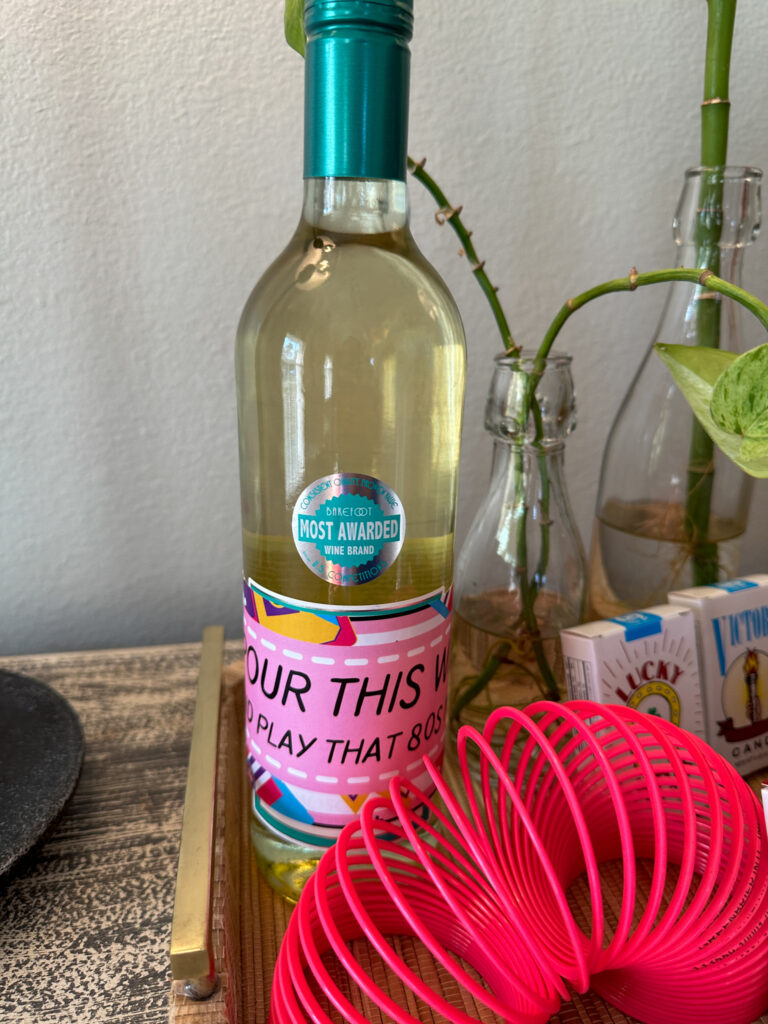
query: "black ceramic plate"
41, 750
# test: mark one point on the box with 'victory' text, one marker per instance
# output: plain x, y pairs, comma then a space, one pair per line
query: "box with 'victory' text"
732, 620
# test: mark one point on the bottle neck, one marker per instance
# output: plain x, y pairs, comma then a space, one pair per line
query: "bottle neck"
717, 218
514, 420
356, 103
355, 206
528, 458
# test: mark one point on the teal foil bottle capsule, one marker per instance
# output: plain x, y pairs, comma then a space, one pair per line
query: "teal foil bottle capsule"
356, 94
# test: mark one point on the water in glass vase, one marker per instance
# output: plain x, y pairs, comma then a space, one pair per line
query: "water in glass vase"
640, 552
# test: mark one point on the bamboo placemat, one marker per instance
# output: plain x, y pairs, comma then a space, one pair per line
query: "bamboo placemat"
248, 921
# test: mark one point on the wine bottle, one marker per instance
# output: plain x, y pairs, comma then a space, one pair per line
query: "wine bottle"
350, 361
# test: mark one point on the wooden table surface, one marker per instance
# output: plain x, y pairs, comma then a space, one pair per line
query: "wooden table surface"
85, 917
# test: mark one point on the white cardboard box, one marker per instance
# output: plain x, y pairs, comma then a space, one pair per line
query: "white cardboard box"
732, 621
646, 659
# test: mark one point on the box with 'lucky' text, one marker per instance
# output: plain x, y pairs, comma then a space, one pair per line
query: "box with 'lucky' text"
646, 660
732, 621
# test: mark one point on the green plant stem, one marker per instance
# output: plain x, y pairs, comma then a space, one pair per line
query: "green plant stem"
447, 213
528, 589
715, 107
544, 477
715, 110
635, 280
494, 660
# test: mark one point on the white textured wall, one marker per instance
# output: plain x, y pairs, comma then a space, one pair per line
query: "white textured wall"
150, 168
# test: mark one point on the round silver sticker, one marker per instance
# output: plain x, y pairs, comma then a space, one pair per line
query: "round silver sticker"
348, 528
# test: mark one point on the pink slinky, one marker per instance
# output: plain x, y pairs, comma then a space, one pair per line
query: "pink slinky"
484, 884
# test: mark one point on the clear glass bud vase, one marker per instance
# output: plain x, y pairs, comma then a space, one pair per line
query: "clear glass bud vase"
671, 509
521, 574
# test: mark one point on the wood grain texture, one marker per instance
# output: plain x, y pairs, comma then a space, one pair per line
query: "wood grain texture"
85, 917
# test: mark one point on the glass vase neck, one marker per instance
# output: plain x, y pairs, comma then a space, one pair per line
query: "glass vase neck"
716, 220
531, 402
719, 207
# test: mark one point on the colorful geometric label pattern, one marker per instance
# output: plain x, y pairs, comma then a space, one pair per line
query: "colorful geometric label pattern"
338, 702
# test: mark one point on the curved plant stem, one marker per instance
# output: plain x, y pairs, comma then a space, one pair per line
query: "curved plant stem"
495, 658
635, 280
630, 283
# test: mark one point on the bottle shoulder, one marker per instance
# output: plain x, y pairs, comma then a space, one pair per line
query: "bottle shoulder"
322, 278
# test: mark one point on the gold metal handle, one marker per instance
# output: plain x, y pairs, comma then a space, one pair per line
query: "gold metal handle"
191, 952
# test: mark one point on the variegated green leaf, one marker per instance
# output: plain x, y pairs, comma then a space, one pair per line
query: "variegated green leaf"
697, 372
704, 364
740, 396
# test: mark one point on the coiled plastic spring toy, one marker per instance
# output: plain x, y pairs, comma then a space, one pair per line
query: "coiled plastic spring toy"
486, 890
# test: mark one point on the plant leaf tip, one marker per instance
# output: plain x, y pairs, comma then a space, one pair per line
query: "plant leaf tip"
294, 25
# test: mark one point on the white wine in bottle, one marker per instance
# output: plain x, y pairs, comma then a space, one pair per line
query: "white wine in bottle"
350, 363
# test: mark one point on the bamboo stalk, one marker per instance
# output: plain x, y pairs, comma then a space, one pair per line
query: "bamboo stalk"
715, 111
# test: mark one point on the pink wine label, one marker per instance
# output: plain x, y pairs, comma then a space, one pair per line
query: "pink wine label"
338, 702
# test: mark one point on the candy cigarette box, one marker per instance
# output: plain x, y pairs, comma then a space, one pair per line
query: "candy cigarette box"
732, 621
645, 659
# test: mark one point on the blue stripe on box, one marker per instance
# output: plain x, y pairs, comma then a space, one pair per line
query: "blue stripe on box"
733, 585
639, 624
719, 645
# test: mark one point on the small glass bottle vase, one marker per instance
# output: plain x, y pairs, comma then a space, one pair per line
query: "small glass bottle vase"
521, 573
671, 509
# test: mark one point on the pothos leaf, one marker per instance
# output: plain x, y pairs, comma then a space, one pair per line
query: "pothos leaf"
294, 25
698, 373
705, 364
740, 396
